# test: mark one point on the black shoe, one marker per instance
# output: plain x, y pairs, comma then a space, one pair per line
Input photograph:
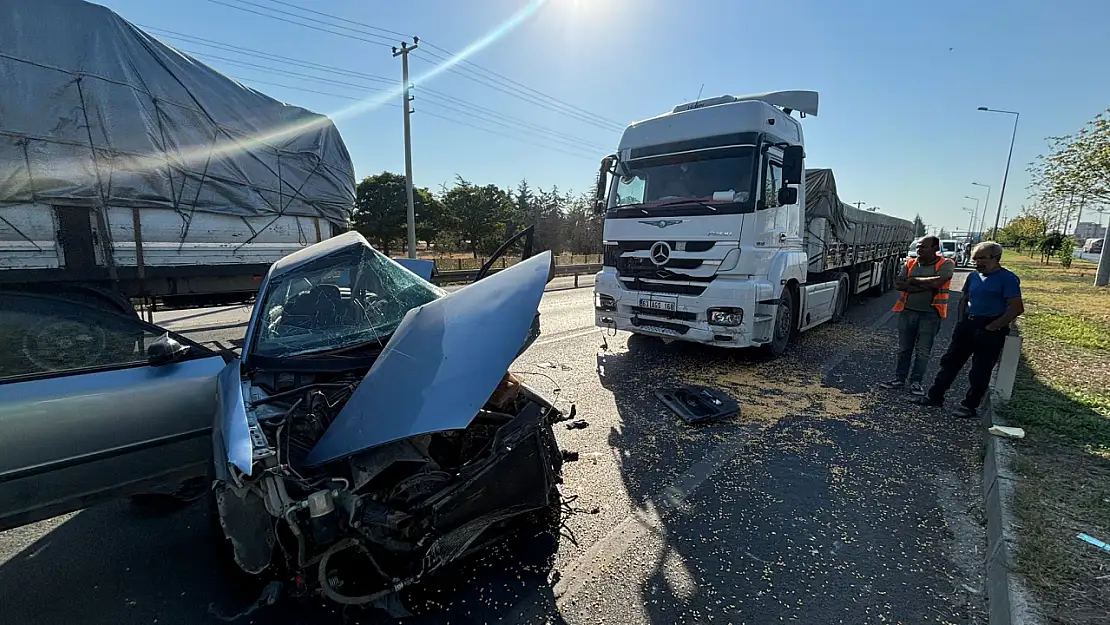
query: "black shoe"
964, 412
927, 401
892, 384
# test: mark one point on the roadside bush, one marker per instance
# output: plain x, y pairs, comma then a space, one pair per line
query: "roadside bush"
1066, 252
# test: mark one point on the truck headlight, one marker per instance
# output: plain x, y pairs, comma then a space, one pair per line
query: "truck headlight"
604, 302
726, 316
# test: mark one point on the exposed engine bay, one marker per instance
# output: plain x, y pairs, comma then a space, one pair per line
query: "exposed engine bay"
356, 530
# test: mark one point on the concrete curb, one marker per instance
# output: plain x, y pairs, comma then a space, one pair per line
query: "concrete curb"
1007, 603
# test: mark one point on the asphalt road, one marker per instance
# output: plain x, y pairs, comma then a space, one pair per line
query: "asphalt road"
825, 501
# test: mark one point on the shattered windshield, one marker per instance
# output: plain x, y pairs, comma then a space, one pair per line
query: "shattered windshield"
349, 298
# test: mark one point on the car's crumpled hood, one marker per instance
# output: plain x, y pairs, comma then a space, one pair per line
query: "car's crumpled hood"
442, 364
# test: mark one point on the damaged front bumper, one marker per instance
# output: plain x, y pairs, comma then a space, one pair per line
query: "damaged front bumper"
355, 484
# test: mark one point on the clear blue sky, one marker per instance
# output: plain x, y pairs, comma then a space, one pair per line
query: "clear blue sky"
899, 82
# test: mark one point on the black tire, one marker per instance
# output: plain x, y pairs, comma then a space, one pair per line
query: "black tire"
782, 330
841, 306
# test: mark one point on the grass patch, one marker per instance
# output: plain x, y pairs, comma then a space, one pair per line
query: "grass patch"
1068, 328
1062, 399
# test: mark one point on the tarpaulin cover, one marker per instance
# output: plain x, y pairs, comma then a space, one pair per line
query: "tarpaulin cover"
94, 111
847, 222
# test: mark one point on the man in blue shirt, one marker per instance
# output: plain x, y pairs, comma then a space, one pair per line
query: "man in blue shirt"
991, 301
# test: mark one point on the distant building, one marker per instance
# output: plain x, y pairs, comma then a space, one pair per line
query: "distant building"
1088, 230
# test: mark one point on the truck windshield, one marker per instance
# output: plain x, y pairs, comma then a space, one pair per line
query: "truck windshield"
706, 182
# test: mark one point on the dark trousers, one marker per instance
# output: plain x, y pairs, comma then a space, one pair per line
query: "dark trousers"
972, 340
916, 331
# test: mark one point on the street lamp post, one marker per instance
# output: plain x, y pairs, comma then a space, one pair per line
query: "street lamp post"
970, 224
986, 203
973, 215
1002, 193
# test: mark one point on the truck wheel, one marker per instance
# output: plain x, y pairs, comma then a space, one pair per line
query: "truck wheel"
783, 329
841, 299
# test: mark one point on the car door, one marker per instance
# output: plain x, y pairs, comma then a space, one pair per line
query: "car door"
86, 415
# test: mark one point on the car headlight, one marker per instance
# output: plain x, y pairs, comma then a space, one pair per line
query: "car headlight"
726, 316
604, 302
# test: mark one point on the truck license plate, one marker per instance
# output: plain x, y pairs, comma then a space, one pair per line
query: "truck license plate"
659, 330
655, 304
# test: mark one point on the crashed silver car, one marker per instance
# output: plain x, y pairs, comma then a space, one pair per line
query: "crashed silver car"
371, 433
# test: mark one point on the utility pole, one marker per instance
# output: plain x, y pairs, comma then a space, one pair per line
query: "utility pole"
403, 52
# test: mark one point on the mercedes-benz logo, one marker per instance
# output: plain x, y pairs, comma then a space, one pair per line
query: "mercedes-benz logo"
660, 253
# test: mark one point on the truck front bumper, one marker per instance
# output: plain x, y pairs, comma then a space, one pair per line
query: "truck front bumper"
682, 317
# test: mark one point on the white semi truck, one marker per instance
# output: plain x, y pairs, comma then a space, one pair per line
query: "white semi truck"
716, 233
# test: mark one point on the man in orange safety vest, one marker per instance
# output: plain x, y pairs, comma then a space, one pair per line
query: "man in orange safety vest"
924, 282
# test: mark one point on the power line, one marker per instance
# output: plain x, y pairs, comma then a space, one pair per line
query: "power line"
502, 77
281, 19
527, 88
280, 72
475, 109
428, 113
536, 100
539, 98
269, 56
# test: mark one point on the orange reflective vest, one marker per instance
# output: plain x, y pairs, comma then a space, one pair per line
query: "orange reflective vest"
940, 300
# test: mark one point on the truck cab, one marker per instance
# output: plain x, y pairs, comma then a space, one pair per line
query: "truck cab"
704, 219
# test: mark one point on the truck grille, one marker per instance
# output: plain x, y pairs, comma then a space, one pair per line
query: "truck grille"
644, 268
637, 284
643, 246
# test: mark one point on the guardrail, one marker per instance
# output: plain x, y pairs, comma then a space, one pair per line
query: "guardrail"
561, 271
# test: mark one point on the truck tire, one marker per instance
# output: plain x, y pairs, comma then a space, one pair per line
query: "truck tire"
841, 306
782, 329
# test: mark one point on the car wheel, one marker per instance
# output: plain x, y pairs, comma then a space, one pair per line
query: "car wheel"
783, 329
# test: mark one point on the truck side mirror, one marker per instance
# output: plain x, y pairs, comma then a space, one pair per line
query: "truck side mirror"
788, 196
792, 158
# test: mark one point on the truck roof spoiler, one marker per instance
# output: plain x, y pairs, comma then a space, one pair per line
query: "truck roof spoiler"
804, 102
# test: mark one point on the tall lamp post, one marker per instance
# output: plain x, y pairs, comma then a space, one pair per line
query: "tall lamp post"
1002, 193
974, 215
986, 203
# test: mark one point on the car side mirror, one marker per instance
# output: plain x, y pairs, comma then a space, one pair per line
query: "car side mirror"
788, 196
792, 159
165, 350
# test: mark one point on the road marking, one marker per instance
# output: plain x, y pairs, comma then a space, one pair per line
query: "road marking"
612, 546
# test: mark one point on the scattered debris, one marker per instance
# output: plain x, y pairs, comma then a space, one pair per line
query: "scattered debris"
270, 594
570, 414
698, 403
1091, 540
553, 365
570, 456
578, 424
1007, 432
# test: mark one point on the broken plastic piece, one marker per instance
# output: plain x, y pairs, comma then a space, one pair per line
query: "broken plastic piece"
1091, 540
579, 424
570, 456
1006, 432
698, 403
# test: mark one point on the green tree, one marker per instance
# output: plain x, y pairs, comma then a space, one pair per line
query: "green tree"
381, 211
480, 213
918, 226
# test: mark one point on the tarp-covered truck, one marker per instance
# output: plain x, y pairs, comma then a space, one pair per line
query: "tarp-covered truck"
129, 170
716, 233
